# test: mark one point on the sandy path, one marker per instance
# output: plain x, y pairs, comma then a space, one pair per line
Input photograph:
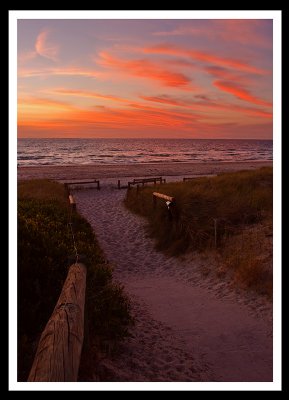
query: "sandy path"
188, 328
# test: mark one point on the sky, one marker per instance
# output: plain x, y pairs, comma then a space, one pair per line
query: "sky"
145, 78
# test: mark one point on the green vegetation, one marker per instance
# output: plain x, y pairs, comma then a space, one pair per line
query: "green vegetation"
45, 251
241, 203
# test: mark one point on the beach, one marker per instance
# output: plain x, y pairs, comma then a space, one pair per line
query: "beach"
103, 171
189, 324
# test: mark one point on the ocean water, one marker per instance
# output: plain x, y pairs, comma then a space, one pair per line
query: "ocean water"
31, 152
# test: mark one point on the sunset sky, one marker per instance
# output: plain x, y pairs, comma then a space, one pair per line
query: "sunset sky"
145, 78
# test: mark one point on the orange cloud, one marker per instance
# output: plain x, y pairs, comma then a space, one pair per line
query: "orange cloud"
33, 109
164, 100
145, 69
45, 48
240, 93
205, 57
173, 117
46, 114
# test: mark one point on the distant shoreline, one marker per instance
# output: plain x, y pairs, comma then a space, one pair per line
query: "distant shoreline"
137, 138
103, 171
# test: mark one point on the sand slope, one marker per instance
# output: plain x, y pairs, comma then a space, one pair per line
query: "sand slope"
188, 327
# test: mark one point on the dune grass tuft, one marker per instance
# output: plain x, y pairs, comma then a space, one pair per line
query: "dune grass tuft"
209, 212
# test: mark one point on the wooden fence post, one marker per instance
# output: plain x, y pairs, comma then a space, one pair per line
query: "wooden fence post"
59, 349
72, 202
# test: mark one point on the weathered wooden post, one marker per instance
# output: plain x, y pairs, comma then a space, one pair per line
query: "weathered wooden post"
72, 202
59, 349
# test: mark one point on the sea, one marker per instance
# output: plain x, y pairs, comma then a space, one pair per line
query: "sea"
34, 152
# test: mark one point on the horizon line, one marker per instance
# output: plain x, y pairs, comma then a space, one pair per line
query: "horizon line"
138, 138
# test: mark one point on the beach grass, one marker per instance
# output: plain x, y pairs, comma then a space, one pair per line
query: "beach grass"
230, 214
45, 251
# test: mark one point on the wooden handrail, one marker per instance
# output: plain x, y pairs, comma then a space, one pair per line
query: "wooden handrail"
163, 196
59, 349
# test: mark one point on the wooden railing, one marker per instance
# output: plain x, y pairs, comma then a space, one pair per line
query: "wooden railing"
59, 349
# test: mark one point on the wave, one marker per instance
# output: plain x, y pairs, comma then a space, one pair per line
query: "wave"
91, 151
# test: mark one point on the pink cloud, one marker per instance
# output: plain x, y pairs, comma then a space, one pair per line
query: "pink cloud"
45, 48
242, 31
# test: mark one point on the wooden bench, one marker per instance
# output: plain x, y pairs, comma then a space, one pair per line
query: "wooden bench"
83, 183
142, 181
188, 178
148, 180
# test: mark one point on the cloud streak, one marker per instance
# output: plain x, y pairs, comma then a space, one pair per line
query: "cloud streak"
205, 57
45, 48
59, 71
90, 94
143, 68
206, 105
240, 93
